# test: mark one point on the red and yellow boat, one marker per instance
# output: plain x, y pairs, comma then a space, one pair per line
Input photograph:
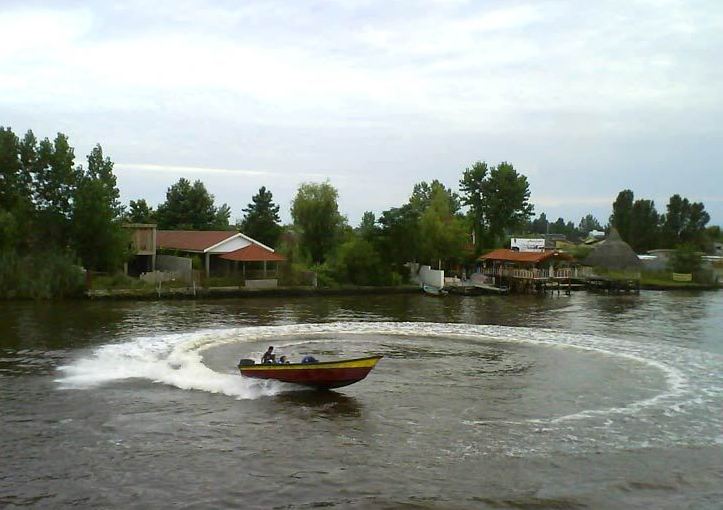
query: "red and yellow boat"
319, 375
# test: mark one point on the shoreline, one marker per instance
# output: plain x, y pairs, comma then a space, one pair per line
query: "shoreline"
240, 292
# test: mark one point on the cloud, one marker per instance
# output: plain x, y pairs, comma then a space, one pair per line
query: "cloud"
625, 92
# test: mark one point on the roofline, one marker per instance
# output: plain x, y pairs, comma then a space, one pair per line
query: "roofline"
252, 240
237, 234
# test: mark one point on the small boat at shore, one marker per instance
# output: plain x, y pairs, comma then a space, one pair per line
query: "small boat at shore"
431, 290
318, 375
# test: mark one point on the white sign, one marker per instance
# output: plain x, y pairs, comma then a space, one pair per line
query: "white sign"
520, 244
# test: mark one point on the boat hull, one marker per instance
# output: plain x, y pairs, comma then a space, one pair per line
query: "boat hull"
320, 375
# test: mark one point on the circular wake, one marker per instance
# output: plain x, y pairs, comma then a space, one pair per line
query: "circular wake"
683, 409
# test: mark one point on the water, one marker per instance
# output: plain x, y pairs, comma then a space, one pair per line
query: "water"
480, 402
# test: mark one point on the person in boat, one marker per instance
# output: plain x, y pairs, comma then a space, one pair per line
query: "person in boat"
284, 360
269, 356
309, 359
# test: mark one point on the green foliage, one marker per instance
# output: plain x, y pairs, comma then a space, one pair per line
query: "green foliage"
587, 224
358, 263
39, 275
316, 215
368, 229
399, 236
498, 198
423, 193
140, 212
471, 187
191, 207
684, 222
622, 214
685, 259
443, 234
643, 233
98, 238
262, 221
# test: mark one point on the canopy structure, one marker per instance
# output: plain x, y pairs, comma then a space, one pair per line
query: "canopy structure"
615, 254
253, 253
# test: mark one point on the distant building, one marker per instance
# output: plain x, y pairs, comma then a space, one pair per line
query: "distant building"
523, 244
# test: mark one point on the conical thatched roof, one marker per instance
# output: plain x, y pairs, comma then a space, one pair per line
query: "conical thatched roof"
614, 253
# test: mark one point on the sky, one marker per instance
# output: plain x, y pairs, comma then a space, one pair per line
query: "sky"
584, 98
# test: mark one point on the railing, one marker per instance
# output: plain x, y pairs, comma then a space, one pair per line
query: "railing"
537, 273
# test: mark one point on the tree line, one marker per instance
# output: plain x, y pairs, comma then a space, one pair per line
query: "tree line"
53, 209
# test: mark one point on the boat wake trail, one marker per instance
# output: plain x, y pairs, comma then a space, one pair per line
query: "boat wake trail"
685, 402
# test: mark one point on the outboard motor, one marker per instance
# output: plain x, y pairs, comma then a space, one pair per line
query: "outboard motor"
246, 362
309, 359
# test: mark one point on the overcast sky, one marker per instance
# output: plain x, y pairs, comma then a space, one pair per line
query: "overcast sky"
584, 98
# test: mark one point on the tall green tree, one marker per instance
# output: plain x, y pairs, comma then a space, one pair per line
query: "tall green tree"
98, 238
684, 223
315, 212
399, 235
15, 195
368, 229
471, 186
261, 219
644, 229
424, 192
191, 207
622, 213
443, 234
506, 200
56, 181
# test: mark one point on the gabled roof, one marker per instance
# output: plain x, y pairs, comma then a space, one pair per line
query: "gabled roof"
527, 257
192, 240
253, 253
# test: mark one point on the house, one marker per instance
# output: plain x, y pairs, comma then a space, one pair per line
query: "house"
220, 250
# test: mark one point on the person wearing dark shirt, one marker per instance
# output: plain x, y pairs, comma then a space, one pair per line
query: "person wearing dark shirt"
269, 356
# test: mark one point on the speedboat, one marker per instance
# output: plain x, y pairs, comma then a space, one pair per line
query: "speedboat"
318, 375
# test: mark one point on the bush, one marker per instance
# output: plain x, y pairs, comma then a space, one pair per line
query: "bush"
40, 275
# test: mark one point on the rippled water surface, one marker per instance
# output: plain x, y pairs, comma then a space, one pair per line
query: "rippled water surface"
523, 402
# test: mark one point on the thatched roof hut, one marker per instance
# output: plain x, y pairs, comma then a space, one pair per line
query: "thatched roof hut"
613, 254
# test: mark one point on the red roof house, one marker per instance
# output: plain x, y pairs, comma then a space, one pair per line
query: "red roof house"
226, 245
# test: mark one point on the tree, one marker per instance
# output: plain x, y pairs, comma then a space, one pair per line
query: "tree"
587, 224
622, 212
357, 262
540, 225
471, 187
368, 229
261, 220
140, 212
684, 222
56, 181
98, 238
399, 236
442, 233
190, 207
423, 192
316, 214
505, 195
644, 231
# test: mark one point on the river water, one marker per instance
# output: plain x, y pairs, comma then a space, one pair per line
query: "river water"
564, 402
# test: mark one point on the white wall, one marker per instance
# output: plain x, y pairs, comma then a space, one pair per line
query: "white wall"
231, 245
434, 277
